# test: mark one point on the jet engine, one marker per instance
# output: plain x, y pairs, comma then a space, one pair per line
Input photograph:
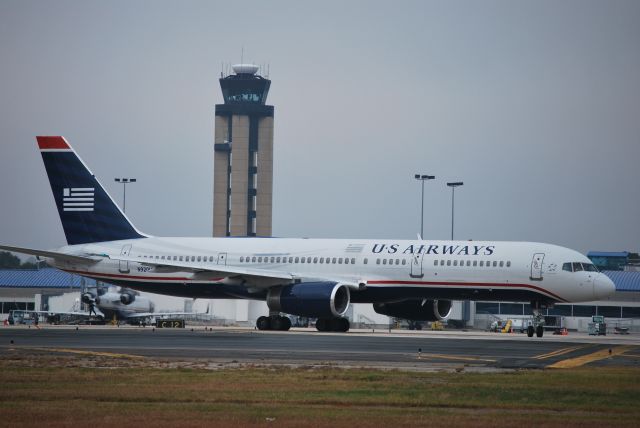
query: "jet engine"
310, 299
416, 309
127, 298
88, 299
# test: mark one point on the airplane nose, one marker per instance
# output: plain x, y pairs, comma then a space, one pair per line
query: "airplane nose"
603, 287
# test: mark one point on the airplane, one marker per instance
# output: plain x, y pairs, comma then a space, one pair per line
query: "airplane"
107, 303
315, 278
121, 305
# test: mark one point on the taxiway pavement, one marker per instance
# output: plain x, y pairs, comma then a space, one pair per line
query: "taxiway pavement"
424, 350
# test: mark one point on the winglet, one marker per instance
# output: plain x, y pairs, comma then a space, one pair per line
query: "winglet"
54, 142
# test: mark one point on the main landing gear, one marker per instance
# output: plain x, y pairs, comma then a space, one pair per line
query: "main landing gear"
333, 324
273, 322
538, 321
281, 323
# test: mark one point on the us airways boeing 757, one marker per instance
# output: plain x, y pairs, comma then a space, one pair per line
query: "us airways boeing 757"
319, 278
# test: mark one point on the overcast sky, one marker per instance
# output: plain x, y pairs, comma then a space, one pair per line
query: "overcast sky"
534, 105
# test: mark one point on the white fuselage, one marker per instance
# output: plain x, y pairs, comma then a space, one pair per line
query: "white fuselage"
375, 270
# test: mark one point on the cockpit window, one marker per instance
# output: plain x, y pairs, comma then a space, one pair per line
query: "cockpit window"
589, 267
578, 266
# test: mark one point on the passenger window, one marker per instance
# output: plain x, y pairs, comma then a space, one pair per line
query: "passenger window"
397, 261
346, 261
481, 263
259, 259
277, 259
253, 259
495, 263
296, 259
455, 263
377, 261
321, 260
175, 258
193, 258
366, 260
290, 259
308, 259
302, 259
501, 264
441, 262
179, 259
340, 261
333, 260
273, 259
241, 259
162, 258
384, 261
404, 262
508, 264
448, 262
468, 262
435, 263
353, 260
475, 263
315, 260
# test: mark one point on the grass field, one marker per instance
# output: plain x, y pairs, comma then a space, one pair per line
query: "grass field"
118, 392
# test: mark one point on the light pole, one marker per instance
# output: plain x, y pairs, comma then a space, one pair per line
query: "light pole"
453, 191
423, 178
124, 182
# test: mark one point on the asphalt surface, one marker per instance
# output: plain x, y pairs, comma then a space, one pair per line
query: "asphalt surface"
424, 350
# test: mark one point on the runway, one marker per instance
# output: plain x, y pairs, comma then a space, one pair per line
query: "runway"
423, 350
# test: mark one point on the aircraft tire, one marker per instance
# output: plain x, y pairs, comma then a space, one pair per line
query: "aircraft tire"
530, 331
280, 323
322, 324
539, 331
263, 323
286, 324
344, 325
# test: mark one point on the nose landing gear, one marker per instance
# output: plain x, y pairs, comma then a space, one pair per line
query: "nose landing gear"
538, 320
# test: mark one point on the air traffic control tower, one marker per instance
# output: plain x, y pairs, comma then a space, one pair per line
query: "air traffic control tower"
243, 159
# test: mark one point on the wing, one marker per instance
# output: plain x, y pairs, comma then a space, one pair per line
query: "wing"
251, 277
52, 254
257, 277
162, 314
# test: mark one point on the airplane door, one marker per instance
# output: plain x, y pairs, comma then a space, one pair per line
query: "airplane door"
536, 267
222, 258
416, 266
124, 264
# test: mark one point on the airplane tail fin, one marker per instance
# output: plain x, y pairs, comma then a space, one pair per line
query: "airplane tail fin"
87, 212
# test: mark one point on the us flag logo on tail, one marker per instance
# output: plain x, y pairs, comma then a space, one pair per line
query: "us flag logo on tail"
78, 199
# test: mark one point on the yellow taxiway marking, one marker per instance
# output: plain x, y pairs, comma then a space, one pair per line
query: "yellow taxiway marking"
589, 358
453, 357
91, 353
558, 352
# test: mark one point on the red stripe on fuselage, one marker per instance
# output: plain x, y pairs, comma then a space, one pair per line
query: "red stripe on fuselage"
52, 143
468, 284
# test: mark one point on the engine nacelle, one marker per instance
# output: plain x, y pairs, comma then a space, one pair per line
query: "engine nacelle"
127, 298
416, 310
88, 298
310, 299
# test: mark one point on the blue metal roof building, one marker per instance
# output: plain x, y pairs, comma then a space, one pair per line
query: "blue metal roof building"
42, 278
624, 281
